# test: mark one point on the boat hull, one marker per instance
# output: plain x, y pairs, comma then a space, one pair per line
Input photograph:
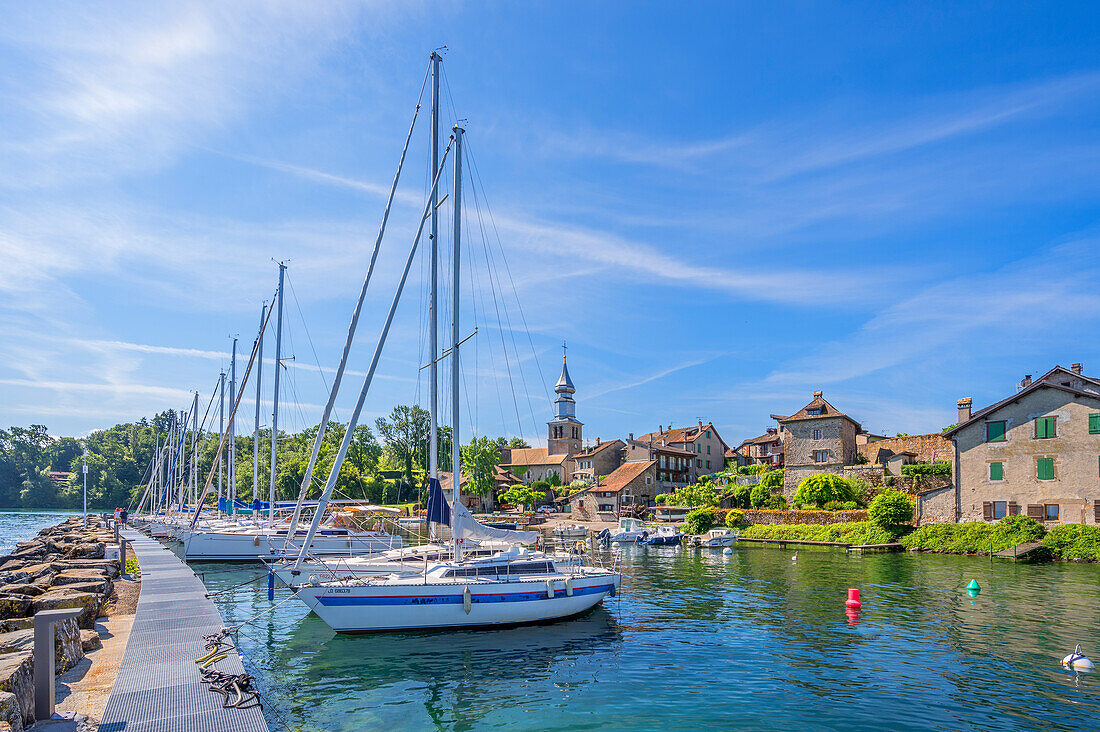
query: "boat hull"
379, 608
213, 546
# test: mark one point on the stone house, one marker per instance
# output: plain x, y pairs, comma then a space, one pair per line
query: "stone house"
630, 483
673, 464
928, 448
599, 460
817, 438
1036, 451
702, 440
766, 449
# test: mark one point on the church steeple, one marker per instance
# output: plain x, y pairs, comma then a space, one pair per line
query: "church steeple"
564, 436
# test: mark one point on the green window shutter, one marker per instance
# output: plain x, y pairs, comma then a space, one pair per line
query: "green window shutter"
1044, 427
1094, 424
995, 432
996, 471
1045, 468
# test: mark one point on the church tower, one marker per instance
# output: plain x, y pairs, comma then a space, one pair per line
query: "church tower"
564, 436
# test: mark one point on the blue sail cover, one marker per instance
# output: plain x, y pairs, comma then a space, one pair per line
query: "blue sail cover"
439, 511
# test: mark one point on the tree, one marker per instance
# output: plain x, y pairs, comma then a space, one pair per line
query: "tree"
759, 495
405, 438
821, 488
699, 521
518, 443
521, 495
742, 496
479, 461
772, 479
891, 508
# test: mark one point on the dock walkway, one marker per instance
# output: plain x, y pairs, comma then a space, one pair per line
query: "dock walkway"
158, 687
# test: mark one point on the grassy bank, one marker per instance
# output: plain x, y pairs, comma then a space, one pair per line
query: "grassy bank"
1074, 541
1068, 541
853, 532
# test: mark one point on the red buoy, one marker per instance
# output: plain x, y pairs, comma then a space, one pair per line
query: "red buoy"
853, 599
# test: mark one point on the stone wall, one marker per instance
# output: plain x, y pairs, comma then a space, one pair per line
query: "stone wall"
934, 506
928, 448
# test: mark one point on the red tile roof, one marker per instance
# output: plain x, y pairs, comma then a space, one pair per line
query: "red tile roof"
623, 476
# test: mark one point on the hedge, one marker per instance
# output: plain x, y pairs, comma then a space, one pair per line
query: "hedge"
854, 532
974, 537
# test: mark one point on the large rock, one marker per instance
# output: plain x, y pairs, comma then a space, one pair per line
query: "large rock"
90, 640
11, 716
84, 577
63, 597
93, 550
68, 646
7, 626
17, 678
14, 606
20, 590
108, 566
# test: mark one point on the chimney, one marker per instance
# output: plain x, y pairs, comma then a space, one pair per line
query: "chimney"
700, 425
597, 442
1075, 368
964, 409
817, 395
1026, 381
631, 437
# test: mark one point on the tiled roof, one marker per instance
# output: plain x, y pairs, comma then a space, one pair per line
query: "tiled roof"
818, 403
599, 448
682, 434
623, 476
764, 438
662, 448
534, 456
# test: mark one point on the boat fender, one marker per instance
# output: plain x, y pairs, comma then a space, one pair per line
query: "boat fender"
467, 599
727, 551
256, 540
568, 586
645, 536
611, 591
314, 580
1077, 660
550, 589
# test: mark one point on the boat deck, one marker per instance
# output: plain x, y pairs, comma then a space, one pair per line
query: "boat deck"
158, 686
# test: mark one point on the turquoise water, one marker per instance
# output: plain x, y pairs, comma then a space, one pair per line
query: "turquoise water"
700, 640
17, 526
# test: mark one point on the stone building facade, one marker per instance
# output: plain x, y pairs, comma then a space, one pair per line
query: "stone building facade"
599, 460
765, 449
672, 464
630, 484
707, 447
1036, 452
925, 448
818, 438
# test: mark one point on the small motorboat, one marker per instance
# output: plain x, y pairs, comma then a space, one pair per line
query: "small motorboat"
715, 539
665, 535
630, 530
571, 531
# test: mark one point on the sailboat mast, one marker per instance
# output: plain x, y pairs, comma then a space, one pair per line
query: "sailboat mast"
275, 397
221, 432
259, 346
195, 447
456, 445
433, 306
231, 489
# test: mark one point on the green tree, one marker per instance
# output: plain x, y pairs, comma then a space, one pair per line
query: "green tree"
820, 488
521, 495
759, 495
699, 521
479, 461
773, 479
891, 508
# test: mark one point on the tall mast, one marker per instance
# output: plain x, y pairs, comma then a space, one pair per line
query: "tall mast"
231, 489
456, 460
195, 447
433, 306
275, 398
259, 346
221, 431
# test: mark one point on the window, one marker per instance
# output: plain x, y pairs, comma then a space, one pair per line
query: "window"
1044, 427
606, 507
698, 448
1050, 512
698, 463
821, 456
708, 433
648, 480
708, 449
1094, 424
1044, 468
996, 471
994, 431
816, 434
1000, 510
708, 464
813, 412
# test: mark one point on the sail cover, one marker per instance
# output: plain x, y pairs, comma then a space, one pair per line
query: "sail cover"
465, 526
438, 510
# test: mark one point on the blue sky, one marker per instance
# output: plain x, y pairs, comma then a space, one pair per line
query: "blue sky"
721, 207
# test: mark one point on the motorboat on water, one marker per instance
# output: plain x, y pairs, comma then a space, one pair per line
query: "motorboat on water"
665, 535
630, 530
513, 587
715, 539
571, 531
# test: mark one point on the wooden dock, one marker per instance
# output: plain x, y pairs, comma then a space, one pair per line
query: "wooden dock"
1020, 550
158, 686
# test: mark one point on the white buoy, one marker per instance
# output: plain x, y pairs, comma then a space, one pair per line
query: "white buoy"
728, 550
1077, 660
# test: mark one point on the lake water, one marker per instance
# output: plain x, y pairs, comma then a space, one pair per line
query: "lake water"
700, 640
17, 526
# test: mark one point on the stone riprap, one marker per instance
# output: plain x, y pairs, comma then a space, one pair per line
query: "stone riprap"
62, 567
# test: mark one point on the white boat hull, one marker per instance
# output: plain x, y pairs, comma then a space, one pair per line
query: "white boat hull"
230, 546
372, 608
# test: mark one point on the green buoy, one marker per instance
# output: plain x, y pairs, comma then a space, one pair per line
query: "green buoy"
973, 587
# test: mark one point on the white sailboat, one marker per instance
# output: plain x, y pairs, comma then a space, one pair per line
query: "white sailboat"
511, 587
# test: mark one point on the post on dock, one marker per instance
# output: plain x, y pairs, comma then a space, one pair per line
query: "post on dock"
44, 653
122, 557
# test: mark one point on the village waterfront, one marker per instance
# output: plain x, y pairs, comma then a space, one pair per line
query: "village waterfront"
703, 640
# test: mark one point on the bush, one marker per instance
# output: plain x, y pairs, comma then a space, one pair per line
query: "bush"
772, 479
741, 496
821, 488
751, 469
759, 495
776, 502
699, 521
660, 499
540, 486
862, 491
1074, 541
891, 508
939, 469
734, 518
974, 537
852, 532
